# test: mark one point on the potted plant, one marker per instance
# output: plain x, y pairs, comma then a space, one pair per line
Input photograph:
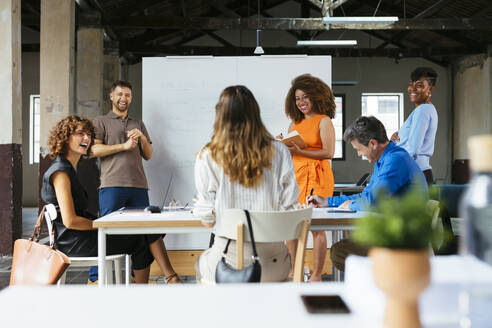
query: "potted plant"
400, 232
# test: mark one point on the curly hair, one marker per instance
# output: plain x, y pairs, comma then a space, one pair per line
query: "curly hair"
59, 134
319, 93
240, 143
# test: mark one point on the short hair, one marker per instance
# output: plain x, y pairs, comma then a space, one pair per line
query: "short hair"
364, 129
319, 93
426, 72
121, 83
59, 134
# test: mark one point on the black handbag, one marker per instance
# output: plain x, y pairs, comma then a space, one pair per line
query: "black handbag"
225, 273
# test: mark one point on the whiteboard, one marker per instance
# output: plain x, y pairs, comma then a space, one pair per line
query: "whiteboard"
179, 98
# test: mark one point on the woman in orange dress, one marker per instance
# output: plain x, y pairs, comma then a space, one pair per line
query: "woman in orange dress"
310, 105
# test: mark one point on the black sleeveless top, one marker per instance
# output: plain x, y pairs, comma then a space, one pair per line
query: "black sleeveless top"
78, 193
69, 241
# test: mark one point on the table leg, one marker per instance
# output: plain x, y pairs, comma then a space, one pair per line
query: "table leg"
127, 270
101, 256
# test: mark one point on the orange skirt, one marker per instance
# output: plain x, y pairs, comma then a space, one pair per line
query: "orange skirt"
313, 174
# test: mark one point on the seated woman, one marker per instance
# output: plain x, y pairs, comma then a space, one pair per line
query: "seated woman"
243, 167
71, 138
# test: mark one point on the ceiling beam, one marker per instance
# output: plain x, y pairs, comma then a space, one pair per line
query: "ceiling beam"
107, 29
234, 13
223, 41
183, 8
232, 10
401, 46
338, 52
223, 9
312, 24
429, 11
327, 5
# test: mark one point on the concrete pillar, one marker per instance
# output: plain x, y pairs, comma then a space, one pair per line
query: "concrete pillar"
90, 62
11, 131
56, 69
472, 99
112, 72
89, 100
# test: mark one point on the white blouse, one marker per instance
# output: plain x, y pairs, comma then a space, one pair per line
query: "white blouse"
278, 190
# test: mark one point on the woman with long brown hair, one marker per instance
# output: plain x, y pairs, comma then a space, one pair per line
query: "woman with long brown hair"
69, 140
310, 105
243, 167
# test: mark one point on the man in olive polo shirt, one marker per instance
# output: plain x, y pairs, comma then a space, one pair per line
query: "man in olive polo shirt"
121, 142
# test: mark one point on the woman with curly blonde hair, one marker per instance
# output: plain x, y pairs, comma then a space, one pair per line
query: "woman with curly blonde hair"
69, 140
310, 105
243, 167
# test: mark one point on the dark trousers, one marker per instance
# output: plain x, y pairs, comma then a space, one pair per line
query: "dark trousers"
428, 176
114, 198
345, 247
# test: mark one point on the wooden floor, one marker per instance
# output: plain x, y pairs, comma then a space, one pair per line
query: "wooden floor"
184, 262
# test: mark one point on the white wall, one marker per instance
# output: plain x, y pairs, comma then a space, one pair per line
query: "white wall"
384, 75
374, 75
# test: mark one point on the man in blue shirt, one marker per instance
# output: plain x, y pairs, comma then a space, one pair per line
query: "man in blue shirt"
394, 170
394, 173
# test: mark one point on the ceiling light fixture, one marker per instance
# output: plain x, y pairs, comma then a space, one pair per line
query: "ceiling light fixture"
259, 49
328, 20
327, 43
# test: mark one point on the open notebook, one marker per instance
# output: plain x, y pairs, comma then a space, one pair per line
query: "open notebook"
294, 137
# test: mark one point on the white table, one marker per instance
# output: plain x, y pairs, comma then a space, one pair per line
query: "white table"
238, 306
138, 222
130, 222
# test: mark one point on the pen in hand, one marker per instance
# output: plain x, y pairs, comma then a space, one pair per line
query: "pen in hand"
309, 200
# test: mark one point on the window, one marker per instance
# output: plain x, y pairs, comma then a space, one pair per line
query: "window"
386, 107
34, 121
339, 125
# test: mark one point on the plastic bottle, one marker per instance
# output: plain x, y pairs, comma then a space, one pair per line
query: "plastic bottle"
476, 240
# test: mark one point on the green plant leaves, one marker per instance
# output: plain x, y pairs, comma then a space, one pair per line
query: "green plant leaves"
398, 222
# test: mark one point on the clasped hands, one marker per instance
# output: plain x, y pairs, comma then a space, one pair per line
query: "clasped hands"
134, 136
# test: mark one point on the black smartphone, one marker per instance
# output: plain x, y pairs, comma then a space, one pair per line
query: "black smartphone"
324, 304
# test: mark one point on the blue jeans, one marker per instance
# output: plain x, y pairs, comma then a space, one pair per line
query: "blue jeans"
114, 198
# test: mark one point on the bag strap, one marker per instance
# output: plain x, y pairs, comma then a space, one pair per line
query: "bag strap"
253, 244
37, 227
250, 228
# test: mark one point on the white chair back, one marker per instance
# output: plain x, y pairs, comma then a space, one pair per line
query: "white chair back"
50, 215
434, 208
272, 226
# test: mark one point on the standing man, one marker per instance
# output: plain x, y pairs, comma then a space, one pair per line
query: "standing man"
121, 142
